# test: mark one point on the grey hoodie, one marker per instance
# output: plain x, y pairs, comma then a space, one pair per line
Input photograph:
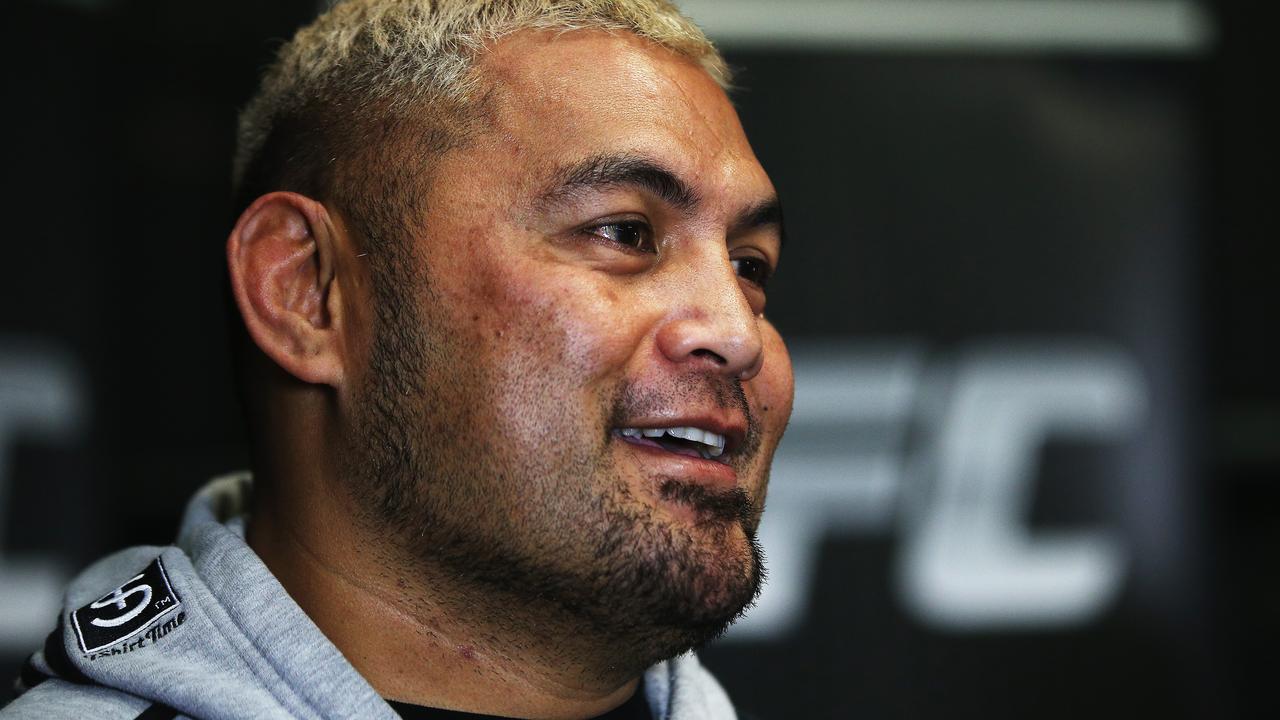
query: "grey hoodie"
201, 629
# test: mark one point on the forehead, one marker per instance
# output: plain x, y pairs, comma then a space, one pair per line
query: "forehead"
557, 97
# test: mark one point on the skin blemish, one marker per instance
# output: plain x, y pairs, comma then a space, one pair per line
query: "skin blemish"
467, 652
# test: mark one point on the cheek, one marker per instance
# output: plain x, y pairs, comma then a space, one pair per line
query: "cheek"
577, 319
554, 340
773, 390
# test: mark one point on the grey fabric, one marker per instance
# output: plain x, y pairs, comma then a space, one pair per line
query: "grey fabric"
59, 700
237, 646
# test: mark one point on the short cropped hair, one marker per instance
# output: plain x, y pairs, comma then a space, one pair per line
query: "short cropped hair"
387, 84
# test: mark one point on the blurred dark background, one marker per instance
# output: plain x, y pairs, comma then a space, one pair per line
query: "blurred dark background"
1035, 463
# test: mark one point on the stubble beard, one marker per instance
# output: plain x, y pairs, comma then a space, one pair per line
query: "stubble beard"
562, 548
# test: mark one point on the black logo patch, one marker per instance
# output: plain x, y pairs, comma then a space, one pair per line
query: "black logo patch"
125, 611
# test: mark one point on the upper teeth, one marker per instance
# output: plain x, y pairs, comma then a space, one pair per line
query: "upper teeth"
714, 442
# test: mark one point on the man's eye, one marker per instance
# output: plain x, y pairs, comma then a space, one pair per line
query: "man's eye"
752, 270
633, 235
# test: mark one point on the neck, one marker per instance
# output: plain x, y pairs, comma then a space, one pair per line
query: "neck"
415, 635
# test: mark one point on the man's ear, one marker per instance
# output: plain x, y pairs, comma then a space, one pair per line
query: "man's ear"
281, 255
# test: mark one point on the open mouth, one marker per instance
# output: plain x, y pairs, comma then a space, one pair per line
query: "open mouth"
690, 441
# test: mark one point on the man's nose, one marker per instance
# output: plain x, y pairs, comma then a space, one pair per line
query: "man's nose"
710, 324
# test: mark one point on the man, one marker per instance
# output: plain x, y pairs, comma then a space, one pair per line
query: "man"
511, 389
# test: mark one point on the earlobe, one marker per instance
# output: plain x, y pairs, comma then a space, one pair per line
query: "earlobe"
281, 259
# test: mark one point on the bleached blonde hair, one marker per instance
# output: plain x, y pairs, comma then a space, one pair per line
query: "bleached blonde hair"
355, 75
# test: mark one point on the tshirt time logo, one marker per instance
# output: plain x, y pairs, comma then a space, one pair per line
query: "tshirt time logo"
125, 611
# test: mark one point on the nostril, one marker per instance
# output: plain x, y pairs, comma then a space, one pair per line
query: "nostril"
713, 356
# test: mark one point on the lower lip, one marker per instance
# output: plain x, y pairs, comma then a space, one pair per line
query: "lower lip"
685, 467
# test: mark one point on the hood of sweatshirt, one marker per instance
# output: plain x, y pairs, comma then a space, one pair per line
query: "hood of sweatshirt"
204, 628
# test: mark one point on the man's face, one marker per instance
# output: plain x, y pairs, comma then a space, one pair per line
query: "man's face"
590, 274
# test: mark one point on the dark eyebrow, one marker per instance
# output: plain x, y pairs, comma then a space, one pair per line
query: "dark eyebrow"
762, 214
602, 172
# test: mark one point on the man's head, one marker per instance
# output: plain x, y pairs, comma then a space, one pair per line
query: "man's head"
526, 321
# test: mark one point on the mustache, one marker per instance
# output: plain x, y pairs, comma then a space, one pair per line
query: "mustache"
689, 390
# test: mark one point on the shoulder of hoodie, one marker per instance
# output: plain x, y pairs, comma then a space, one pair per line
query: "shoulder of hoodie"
56, 699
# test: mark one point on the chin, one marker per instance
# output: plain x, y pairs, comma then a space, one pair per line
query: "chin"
686, 586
